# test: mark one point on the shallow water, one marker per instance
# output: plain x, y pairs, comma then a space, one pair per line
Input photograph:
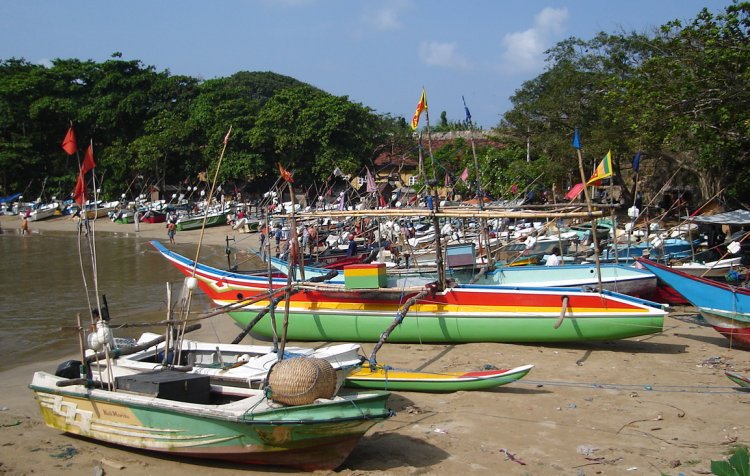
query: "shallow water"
42, 289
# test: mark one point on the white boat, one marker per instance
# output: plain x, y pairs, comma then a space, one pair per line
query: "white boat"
100, 209
712, 269
44, 211
233, 368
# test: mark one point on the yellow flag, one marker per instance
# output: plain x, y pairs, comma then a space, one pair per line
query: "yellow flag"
421, 106
603, 170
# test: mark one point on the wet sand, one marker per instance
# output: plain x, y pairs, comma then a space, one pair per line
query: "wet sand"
648, 405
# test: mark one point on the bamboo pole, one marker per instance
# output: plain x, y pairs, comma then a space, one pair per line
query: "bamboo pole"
450, 213
593, 220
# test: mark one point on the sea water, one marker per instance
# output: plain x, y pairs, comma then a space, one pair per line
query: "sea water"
42, 289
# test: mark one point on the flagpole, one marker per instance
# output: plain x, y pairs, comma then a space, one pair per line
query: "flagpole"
211, 194
480, 195
429, 141
589, 208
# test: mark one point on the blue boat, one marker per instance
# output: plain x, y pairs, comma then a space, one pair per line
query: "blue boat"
615, 277
669, 248
725, 307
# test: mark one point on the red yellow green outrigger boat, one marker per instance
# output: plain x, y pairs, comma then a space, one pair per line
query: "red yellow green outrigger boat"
458, 313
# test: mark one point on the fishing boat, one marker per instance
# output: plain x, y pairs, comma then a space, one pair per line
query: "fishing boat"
741, 380
101, 209
178, 414
458, 313
153, 216
386, 378
615, 277
195, 222
231, 367
722, 305
712, 269
41, 212
661, 249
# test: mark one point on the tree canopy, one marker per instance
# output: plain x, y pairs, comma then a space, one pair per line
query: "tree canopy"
678, 94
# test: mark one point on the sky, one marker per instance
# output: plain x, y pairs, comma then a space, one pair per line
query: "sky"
379, 53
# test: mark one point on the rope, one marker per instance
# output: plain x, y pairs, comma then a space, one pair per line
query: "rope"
696, 389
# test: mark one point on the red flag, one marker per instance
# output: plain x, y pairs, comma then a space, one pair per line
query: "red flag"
69, 143
381, 200
79, 194
465, 174
88, 160
574, 191
285, 174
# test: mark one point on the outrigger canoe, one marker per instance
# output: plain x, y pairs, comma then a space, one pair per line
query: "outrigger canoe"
386, 378
457, 313
739, 379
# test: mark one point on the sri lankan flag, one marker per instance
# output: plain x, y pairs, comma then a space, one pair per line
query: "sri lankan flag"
421, 106
603, 170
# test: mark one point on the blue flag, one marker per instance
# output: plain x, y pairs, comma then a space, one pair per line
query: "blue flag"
576, 140
636, 161
468, 114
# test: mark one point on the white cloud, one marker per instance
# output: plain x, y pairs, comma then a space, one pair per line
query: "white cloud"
523, 51
290, 3
387, 16
442, 54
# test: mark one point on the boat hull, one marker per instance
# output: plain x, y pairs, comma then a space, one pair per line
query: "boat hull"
384, 378
308, 437
737, 378
428, 327
464, 313
197, 222
725, 307
735, 327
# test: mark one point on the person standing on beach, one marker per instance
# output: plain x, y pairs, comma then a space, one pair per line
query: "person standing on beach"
171, 230
137, 219
24, 224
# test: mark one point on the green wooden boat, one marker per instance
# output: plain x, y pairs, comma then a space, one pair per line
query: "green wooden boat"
188, 419
459, 313
196, 222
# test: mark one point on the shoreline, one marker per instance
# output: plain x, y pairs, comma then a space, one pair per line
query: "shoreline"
658, 403
212, 236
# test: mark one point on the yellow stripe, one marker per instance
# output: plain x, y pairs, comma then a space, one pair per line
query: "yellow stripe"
364, 272
436, 308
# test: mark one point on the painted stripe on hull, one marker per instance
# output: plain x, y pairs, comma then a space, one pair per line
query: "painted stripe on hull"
431, 328
415, 381
460, 314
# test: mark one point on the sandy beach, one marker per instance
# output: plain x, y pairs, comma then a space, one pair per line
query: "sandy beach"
658, 404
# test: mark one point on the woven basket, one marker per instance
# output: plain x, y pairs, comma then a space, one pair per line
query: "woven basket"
301, 381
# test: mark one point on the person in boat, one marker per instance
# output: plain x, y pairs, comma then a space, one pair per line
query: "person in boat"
312, 233
554, 259
277, 236
352, 249
305, 238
